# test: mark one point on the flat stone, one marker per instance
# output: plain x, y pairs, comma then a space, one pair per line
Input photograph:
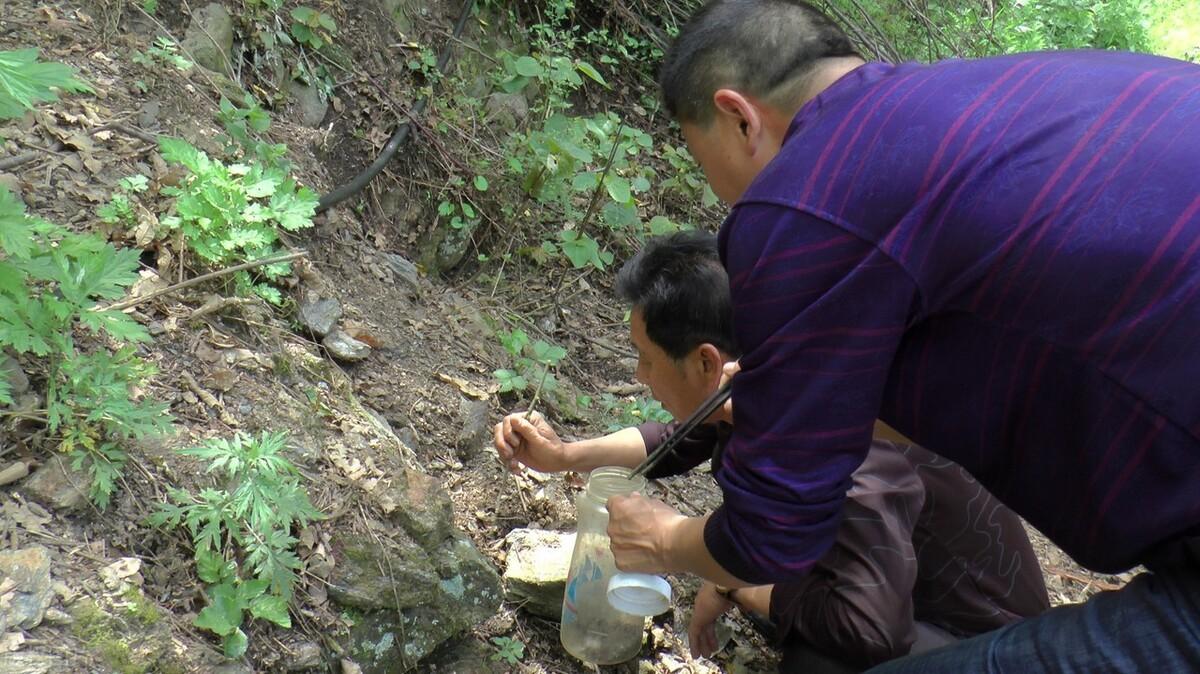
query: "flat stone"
468, 592
319, 316
393, 575
346, 348
304, 655
536, 576
419, 504
506, 110
10, 370
25, 591
57, 485
209, 38
405, 272
308, 102
476, 427
31, 663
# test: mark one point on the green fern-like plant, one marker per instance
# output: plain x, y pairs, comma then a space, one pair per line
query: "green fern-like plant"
242, 532
232, 213
25, 82
51, 283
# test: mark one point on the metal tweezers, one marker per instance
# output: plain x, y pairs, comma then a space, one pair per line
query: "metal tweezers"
706, 408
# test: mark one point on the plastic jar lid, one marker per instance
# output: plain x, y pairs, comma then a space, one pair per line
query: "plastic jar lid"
639, 593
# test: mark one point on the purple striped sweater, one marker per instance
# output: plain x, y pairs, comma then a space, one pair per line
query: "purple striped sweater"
1001, 259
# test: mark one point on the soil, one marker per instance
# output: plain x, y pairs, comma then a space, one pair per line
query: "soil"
435, 346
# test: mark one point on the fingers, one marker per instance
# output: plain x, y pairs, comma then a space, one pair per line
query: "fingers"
507, 438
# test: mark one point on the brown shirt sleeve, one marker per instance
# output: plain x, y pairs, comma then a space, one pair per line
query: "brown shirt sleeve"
857, 604
692, 451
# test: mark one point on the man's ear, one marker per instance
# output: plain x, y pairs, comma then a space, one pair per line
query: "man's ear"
711, 362
741, 114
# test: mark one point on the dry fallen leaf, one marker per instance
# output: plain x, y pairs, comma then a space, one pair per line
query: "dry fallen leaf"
468, 389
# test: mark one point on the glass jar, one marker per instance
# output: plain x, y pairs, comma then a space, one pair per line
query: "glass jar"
592, 630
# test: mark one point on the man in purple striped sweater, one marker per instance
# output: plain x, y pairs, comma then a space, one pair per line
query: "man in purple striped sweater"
1000, 258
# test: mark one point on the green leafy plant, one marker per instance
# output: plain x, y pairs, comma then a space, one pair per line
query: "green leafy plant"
312, 28
533, 361
241, 530
626, 412
508, 650
232, 213
119, 209
51, 282
25, 81
164, 50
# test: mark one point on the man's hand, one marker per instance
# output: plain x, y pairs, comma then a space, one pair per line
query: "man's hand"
529, 442
640, 531
702, 631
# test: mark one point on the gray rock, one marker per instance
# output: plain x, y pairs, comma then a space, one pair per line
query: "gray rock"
309, 103
404, 271
148, 114
11, 371
31, 663
476, 427
25, 591
57, 485
209, 38
418, 504
536, 575
506, 111
344, 347
319, 316
304, 655
453, 247
468, 592
392, 575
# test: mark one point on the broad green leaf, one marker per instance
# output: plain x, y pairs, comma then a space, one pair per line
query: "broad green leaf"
182, 152
25, 81
5, 390
263, 187
304, 14
273, 608
481, 183
587, 69
582, 251
584, 182
252, 589
618, 188
212, 567
234, 644
527, 66
660, 225
119, 325
15, 230
223, 614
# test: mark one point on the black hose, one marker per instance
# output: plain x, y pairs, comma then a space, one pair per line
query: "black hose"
400, 135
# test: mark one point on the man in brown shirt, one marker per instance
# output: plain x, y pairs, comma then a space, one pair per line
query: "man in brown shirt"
924, 554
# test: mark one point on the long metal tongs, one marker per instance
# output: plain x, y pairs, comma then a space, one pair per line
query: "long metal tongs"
706, 408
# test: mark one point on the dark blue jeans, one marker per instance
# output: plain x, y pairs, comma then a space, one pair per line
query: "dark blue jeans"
1151, 625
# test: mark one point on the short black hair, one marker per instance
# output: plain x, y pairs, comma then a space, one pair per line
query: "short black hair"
765, 48
679, 285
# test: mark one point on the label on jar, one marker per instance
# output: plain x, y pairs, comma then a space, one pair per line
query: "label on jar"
588, 572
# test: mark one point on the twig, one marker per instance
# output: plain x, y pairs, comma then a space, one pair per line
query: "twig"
120, 306
17, 160
537, 392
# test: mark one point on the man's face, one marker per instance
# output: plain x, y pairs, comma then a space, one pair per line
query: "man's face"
680, 385
718, 157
